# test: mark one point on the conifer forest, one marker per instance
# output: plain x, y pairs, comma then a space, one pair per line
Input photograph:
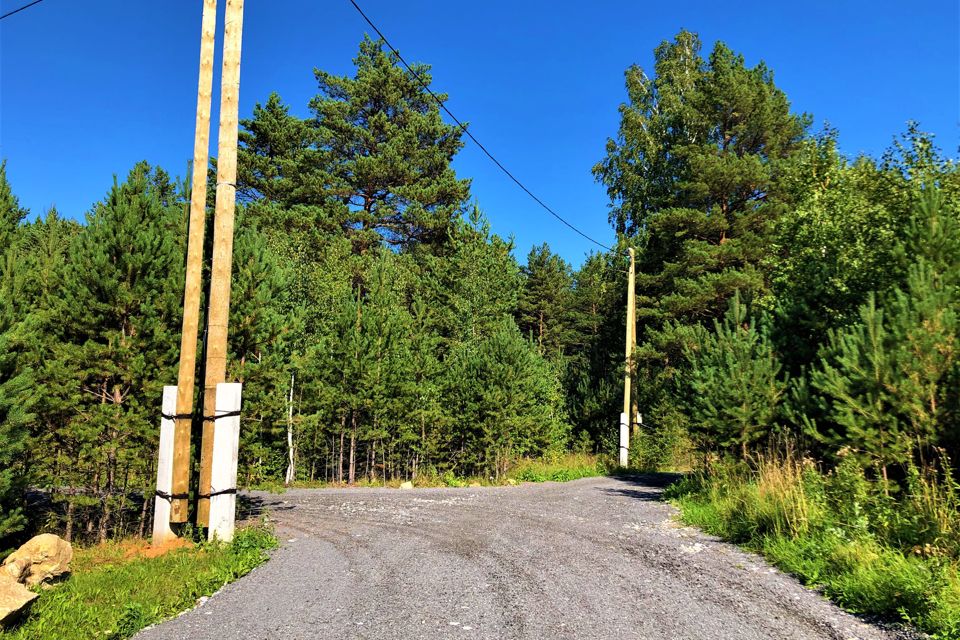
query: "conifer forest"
791, 300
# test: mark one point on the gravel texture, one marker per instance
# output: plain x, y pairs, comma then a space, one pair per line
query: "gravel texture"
592, 558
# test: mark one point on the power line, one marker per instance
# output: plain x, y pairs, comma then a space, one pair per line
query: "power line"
470, 135
26, 6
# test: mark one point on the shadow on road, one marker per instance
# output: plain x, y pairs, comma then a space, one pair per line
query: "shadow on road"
252, 506
642, 486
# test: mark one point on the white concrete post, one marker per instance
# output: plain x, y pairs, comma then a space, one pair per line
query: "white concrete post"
624, 440
223, 474
161, 505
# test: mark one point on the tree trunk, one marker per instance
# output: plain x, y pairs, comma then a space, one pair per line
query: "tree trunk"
68, 533
291, 468
353, 447
340, 461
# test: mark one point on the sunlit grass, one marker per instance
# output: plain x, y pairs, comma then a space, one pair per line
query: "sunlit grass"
119, 588
870, 548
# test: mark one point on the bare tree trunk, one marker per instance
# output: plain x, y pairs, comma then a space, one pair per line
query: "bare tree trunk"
143, 517
343, 428
353, 447
104, 524
291, 468
68, 532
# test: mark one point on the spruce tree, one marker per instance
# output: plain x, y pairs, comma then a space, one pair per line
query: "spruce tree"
16, 404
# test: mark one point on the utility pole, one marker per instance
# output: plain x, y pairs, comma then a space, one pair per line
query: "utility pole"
625, 417
634, 411
218, 314
186, 377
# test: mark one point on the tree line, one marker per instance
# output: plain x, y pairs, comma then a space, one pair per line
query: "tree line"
382, 331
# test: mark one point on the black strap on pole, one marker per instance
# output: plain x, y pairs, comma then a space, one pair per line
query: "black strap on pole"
227, 414
169, 497
222, 492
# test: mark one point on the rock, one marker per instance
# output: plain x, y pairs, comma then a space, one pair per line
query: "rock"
474, 485
407, 485
14, 598
511, 482
41, 558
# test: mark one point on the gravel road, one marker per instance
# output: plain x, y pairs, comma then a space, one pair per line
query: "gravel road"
593, 558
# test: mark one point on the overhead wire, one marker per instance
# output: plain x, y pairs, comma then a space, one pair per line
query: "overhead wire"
467, 132
443, 106
26, 6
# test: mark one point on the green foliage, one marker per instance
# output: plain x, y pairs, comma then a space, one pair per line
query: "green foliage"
506, 400
379, 324
734, 384
841, 532
544, 308
885, 383
11, 214
114, 597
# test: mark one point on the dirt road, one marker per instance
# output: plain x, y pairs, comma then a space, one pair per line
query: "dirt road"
593, 558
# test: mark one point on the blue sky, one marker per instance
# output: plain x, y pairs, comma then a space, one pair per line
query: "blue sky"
88, 87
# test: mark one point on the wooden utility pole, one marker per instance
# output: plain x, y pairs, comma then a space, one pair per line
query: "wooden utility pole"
218, 314
625, 417
633, 349
180, 485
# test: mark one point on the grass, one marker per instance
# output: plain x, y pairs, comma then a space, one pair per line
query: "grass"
886, 550
561, 468
118, 588
571, 466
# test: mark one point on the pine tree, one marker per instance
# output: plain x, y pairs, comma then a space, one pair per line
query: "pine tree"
884, 384
734, 386
506, 400
11, 214
118, 310
693, 179
544, 308
16, 404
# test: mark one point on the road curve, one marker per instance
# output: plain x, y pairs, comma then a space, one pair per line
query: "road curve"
593, 558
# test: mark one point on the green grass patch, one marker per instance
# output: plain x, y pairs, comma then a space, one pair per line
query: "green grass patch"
571, 466
872, 549
115, 591
560, 468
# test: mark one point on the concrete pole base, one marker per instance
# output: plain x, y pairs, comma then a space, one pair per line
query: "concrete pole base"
624, 440
161, 502
223, 474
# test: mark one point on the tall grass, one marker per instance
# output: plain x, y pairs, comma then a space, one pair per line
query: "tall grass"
889, 549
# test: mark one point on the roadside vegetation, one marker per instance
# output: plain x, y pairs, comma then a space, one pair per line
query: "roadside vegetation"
558, 468
786, 293
118, 588
874, 548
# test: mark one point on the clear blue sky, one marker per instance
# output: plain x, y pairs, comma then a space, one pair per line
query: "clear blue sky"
88, 87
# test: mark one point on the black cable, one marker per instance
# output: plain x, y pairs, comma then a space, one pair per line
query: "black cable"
26, 6
470, 135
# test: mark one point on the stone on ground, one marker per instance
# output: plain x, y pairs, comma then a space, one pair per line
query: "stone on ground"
407, 485
14, 598
39, 559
